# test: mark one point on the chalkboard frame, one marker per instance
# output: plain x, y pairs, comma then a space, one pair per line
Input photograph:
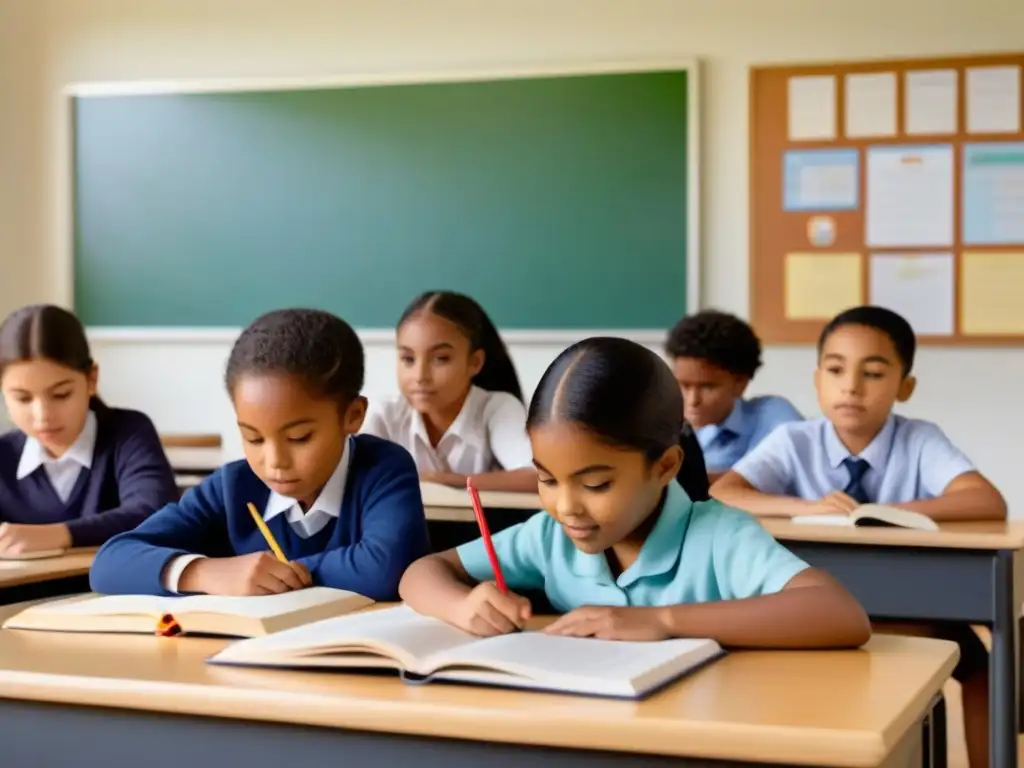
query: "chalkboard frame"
65, 225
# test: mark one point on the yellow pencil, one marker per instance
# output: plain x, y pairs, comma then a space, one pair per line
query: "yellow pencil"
266, 533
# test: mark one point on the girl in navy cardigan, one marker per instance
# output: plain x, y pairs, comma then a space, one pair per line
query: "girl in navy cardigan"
345, 509
74, 472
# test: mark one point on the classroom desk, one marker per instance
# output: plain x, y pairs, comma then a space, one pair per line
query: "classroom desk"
450, 518
194, 461
444, 503
969, 572
31, 579
193, 465
142, 700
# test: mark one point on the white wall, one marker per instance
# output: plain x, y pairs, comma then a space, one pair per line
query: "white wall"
972, 393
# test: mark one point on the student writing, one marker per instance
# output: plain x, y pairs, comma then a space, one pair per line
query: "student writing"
345, 509
862, 452
75, 472
461, 410
714, 358
621, 548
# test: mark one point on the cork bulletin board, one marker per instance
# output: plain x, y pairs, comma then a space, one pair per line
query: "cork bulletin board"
898, 183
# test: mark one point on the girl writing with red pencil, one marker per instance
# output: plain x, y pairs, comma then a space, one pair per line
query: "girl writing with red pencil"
621, 549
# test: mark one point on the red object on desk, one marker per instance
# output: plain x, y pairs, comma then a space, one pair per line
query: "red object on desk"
485, 534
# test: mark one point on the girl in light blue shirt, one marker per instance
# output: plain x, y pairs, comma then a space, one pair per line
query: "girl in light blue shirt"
621, 549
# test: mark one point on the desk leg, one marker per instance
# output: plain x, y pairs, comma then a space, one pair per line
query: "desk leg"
1003, 667
1018, 598
935, 750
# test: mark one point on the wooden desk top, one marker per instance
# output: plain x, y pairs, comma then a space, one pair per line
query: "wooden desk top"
815, 708
442, 503
184, 460
982, 535
16, 573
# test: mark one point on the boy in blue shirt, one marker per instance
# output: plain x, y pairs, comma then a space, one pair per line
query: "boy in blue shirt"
714, 358
862, 452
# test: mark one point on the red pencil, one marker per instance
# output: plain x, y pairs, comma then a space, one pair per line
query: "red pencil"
485, 534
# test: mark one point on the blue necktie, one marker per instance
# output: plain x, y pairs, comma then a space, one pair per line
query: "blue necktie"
855, 488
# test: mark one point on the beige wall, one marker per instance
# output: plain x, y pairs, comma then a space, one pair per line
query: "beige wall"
22, 275
972, 393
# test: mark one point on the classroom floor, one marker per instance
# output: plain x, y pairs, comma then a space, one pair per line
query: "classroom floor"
955, 721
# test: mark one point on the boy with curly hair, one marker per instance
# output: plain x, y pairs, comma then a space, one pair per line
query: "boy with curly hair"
714, 356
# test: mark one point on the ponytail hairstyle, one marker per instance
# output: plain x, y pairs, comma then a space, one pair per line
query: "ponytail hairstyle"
498, 374
623, 394
693, 474
50, 332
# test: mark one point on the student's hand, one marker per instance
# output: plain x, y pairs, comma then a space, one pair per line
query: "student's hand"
444, 478
487, 611
606, 623
259, 573
832, 503
19, 539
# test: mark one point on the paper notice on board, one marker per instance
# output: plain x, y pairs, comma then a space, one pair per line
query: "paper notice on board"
993, 99
993, 199
920, 286
871, 105
909, 196
820, 180
990, 294
818, 286
812, 108
930, 101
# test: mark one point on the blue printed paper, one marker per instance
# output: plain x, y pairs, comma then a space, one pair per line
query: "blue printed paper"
821, 180
993, 193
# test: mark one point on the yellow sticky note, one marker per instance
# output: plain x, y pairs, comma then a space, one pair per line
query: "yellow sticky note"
990, 294
821, 285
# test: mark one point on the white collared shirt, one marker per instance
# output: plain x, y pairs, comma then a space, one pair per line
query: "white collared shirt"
908, 460
327, 507
488, 434
63, 471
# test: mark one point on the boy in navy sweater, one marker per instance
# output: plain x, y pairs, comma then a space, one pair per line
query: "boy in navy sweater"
74, 472
345, 508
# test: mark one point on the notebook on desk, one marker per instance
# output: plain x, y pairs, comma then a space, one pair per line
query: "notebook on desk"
422, 649
873, 515
196, 614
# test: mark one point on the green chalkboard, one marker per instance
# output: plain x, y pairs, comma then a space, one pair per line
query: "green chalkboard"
557, 202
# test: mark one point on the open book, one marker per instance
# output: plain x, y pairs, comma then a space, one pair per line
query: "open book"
873, 514
423, 649
39, 554
197, 614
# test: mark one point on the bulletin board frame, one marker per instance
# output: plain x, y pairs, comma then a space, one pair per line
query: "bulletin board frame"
793, 292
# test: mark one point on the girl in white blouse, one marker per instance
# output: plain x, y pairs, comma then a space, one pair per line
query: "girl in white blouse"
461, 411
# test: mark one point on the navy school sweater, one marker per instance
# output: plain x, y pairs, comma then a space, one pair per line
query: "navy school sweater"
379, 532
130, 478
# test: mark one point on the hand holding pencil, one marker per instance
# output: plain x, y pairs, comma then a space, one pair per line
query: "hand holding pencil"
487, 611
257, 573
490, 609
